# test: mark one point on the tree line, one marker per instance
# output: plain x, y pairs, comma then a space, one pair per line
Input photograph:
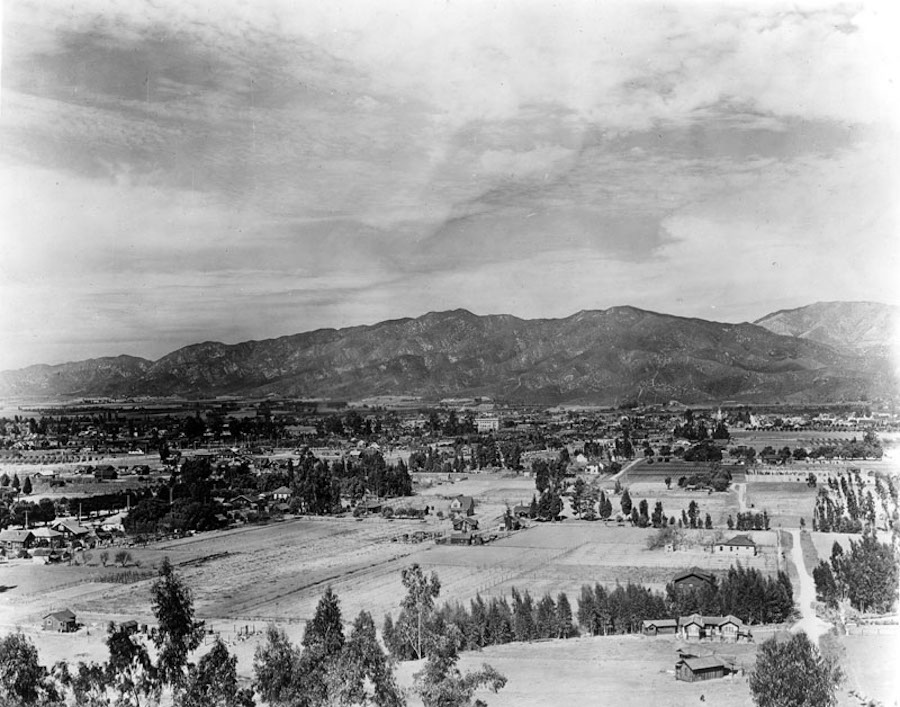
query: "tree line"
866, 576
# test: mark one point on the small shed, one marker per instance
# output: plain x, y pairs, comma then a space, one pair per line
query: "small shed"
694, 669
61, 621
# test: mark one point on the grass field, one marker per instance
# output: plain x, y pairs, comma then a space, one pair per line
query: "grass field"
786, 502
658, 471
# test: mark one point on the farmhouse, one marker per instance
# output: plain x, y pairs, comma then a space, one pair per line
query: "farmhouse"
464, 524
47, 537
70, 530
739, 544
692, 579
658, 627
721, 628
462, 505
282, 493
15, 540
61, 621
693, 669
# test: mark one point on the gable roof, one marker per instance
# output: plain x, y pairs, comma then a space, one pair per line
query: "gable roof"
708, 662
281, 490
465, 502
660, 623
64, 615
694, 572
740, 541
10, 535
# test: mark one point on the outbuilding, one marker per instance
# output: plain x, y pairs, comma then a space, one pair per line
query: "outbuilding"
694, 669
659, 627
61, 621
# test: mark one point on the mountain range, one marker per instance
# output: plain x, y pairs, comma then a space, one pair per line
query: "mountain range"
826, 352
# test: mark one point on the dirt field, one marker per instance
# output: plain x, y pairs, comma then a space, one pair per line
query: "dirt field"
627, 671
785, 502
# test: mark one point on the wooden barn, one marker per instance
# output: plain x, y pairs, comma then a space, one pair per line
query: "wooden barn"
659, 627
692, 579
61, 621
694, 669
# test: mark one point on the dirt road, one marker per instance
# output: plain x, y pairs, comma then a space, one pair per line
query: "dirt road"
814, 627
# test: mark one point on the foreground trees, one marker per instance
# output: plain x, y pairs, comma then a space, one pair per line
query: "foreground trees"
794, 674
329, 669
867, 576
130, 677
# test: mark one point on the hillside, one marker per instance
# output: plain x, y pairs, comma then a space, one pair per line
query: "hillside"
609, 356
859, 327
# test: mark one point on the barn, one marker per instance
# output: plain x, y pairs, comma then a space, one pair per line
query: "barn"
62, 621
694, 669
659, 627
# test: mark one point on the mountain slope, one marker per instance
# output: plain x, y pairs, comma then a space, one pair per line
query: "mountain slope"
860, 327
605, 356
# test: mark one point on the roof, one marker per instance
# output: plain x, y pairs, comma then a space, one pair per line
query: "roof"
694, 572
708, 662
659, 623
46, 533
740, 541
709, 620
71, 527
64, 615
281, 490
10, 535
465, 501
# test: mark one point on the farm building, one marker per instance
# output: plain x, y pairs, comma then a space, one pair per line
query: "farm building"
722, 628
462, 505
464, 524
15, 540
61, 621
282, 493
659, 627
692, 579
739, 544
47, 537
694, 669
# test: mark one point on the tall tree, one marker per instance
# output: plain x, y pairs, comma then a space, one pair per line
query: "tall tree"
794, 674
421, 591
23, 681
363, 674
178, 634
275, 669
213, 681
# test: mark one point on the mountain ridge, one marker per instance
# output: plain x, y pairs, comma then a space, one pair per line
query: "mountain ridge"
620, 353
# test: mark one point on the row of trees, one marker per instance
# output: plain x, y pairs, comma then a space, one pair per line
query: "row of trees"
867, 575
743, 592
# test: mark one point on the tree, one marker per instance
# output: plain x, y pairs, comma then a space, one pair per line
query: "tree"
326, 630
794, 674
26, 487
275, 669
626, 502
213, 681
129, 670
363, 674
418, 603
177, 634
23, 681
441, 684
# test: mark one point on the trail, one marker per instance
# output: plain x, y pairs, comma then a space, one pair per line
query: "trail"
814, 627
741, 496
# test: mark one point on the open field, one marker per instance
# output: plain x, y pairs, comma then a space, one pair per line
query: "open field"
658, 471
627, 671
786, 502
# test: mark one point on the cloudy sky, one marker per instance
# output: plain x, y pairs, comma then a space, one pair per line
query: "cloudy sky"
174, 171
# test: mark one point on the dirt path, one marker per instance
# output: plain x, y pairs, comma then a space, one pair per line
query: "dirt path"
814, 627
624, 469
741, 497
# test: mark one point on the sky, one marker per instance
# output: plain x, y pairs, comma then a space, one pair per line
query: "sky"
176, 171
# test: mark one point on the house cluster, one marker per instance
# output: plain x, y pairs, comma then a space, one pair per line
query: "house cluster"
52, 543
